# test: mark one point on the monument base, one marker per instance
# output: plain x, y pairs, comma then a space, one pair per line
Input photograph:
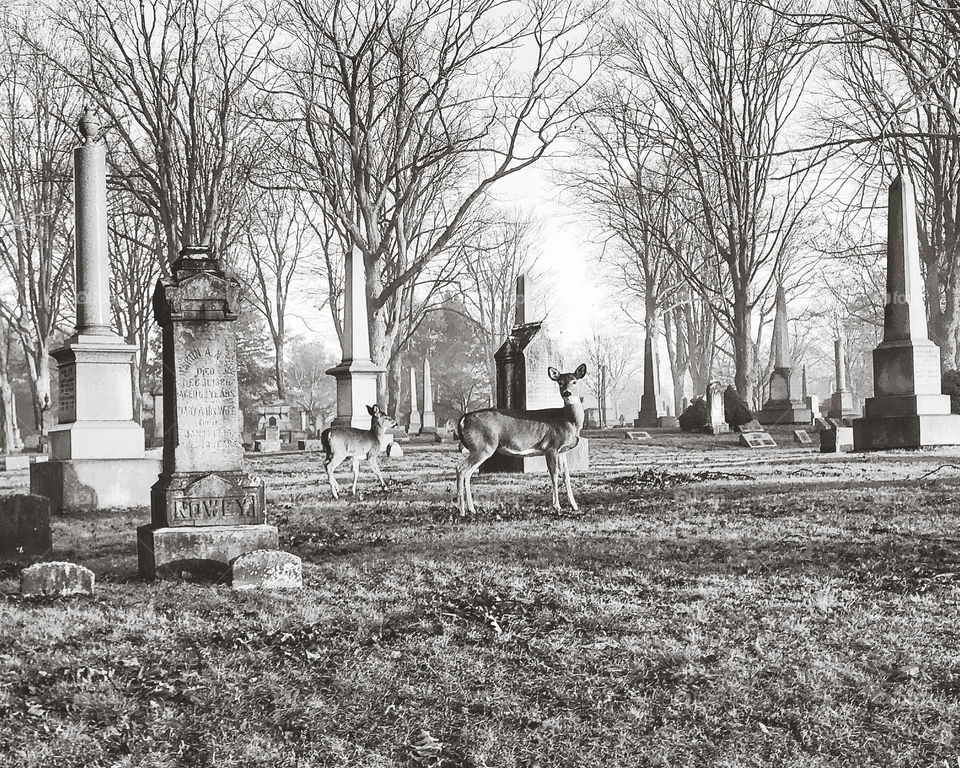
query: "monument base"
96, 440
578, 459
785, 412
836, 440
668, 422
841, 406
267, 446
200, 551
878, 433
87, 484
719, 428
356, 390
208, 499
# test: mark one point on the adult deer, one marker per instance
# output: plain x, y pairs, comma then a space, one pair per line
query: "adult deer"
550, 432
340, 443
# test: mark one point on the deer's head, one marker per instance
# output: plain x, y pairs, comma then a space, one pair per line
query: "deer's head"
380, 418
566, 380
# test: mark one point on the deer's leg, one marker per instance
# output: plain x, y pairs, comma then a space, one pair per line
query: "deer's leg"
356, 474
333, 461
466, 469
566, 479
375, 466
553, 462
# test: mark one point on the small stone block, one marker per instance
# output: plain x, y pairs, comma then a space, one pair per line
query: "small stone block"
801, 436
756, 440
24, 528
16, 461
310, 445
837, 440
638, 435
394, 451
198, 552
56, 580
266, 569
717, 428
820, 424
267, 446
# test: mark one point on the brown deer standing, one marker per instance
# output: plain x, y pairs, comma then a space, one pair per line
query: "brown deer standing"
550, 433
340, 443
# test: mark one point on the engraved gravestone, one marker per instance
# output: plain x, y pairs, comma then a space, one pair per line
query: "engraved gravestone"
205, 509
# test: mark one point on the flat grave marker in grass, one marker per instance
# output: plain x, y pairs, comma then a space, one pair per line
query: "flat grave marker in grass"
801, 436
638, 435
757, 440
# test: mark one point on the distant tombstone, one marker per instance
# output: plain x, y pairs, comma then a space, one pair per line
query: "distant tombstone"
428, 419
751, 426
801, 436
820, 424
394, 451
757, 440
310, 445
15, 461
836, 440
591, 418
638, 435
781, 407
24, 528
266, 569
206, 510
57, 579
716, 418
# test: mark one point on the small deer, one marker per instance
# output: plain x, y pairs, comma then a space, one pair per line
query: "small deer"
340, 443
550, 432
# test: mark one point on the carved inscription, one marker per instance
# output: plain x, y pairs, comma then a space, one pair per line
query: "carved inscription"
926, 371
68, 392
207, 414
214, 511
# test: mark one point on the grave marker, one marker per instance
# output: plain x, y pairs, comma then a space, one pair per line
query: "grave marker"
801, 436
756, 440
24, 528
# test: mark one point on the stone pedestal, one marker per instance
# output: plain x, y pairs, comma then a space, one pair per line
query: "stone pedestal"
205, 509
908, 409
97, 450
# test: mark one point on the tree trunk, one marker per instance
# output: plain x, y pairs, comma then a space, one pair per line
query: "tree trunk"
394, 383
9, 431
279, 374
744, 351
38, 372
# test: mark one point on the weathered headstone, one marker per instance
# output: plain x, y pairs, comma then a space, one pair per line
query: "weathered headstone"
801, 436
413, 422
266, 569
836, 440
428, 422
523, 384
205, 509
841, 403
756, 440
716, 418
908, 409
356, 374
57, 579
24, 528
780, 407
97, 449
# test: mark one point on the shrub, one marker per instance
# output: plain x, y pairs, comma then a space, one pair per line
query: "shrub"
950, 385
735, 410
694, 418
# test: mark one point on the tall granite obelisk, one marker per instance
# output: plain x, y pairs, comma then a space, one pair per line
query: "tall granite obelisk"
205, 509
97, 457
413, 424
908, 409
780, 407
428, 424
841, 402
649, 414
356, 374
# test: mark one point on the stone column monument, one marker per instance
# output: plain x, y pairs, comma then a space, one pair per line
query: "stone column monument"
429, 422
841, 403
908, 409
716, 418
97, 450
780, 407
413, 424
205, 509
356, 374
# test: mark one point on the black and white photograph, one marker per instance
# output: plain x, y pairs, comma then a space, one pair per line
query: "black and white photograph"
479, 383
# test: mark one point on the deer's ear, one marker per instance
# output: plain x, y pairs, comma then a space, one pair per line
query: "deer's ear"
581, 371
371, 410
553, 373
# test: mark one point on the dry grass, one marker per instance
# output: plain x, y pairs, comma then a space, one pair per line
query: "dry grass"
792, 609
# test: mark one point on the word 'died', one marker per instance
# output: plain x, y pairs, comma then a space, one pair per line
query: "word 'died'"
216, 508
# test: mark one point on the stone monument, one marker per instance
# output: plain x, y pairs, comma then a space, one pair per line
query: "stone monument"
356, 374
97, 450
716, 418
841, 403
780, 407
206, 510
413, 423
908, 409
650, 411
523, 384
428, 425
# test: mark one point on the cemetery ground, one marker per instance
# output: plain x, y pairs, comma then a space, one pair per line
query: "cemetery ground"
709, 605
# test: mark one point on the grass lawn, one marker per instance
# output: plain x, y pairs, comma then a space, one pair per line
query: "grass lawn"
779, 608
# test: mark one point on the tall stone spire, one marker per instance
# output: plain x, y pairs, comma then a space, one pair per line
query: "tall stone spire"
780, 407
429, 418
781, 333
904, 314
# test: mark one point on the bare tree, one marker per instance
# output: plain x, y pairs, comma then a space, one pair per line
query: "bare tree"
10, 441
610, 360
719, 85
410, 114
36, 249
